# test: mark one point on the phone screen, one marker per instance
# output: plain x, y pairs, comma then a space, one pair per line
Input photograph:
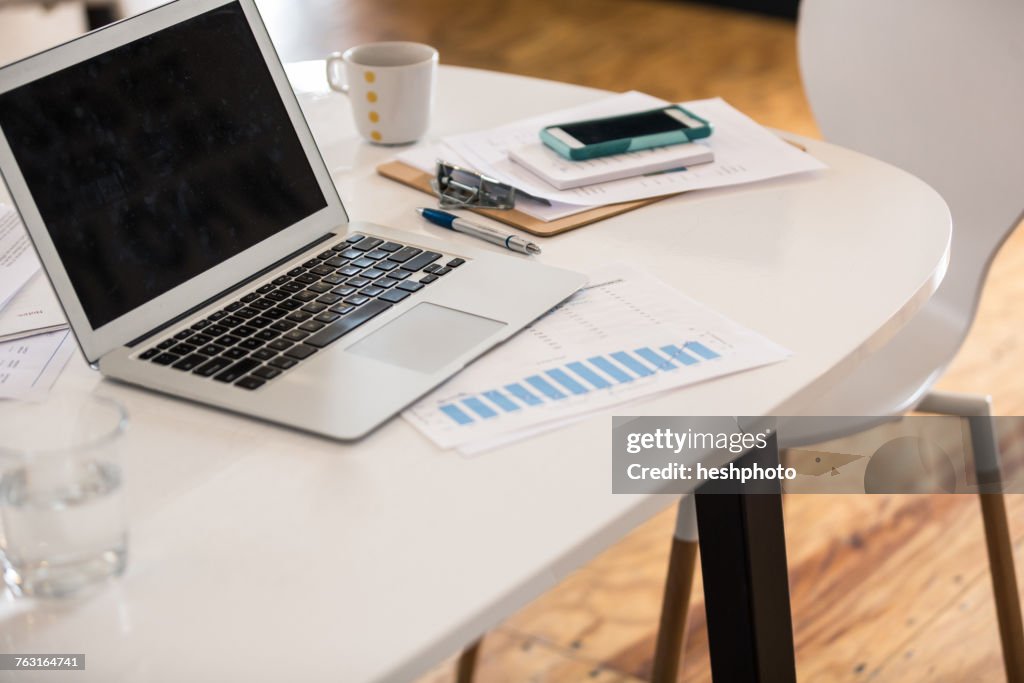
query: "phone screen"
619, 127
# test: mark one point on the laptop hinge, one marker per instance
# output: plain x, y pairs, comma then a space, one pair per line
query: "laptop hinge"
220, 295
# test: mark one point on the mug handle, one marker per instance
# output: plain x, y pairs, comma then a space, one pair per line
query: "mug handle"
332, 59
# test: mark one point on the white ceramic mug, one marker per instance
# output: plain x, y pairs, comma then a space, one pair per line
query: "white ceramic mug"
390, 86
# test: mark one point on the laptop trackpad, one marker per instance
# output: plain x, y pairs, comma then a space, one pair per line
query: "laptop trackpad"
427, 337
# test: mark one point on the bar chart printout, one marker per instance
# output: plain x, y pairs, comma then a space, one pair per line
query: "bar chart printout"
625, 336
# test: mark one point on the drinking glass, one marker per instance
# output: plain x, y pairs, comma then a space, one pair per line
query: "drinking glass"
61, 498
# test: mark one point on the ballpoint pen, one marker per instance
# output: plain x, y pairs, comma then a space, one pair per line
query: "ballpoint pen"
484, 232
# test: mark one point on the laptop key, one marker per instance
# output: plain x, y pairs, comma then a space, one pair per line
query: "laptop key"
281, 344
329, 299
433, 267
307, 279
342, 309
237, 370
295, 272
311, 326
201, 339
263, 304
290, 305
266, 372
336, 330
390, 246
351, 254
276, 296
299, 316
427, 279
295, 335
211, 350
234, 353
183, 349
228, 340
166, 359
410, 286
336, 262
371, 290
251, 296
386, 266
267, 334
260, 321
399, 274
351, 239
314, 307
386, 283
250, 383
283, 362
251, 344
324, 255
455, 262
265, 288
327, 317
367, 243
404, 254
149, 353
233, 306
300, 351
442, 271
376, 254
290, 287
305, 296
212, 367
213, 330
245, 330
394, 295
344, 290
349, 271
282, 325
247, 312
189, 363
357, 300
311, 263
357, 281
263, 354
363, 263
322, 270
372, 273
333, 279
166, 344
201, 324
279, 280
232, 321
423, 259
183, 335
216, 316
320, 287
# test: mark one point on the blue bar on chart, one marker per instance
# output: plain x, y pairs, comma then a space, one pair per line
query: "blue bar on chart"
700, 350
610, 369
567, 381
501, 400
652, 356
577, 378
677, 354
542, 385
589, 375
479, 407
632, 363
523, 394
456, 414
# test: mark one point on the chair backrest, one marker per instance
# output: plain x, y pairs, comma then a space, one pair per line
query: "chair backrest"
935, 87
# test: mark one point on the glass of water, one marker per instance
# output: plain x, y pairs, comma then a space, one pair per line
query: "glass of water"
61, 498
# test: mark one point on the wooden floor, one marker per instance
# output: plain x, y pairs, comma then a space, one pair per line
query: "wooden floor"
885, 588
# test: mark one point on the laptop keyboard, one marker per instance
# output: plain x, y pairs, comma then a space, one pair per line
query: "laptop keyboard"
273, 328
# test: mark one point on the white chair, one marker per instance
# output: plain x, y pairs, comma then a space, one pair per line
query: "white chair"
934, 87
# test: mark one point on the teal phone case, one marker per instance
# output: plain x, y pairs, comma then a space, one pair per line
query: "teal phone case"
603, 149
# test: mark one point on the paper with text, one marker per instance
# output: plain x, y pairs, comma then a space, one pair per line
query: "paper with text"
30, 366
18, 261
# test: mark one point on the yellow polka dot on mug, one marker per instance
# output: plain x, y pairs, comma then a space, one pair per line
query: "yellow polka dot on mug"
371, 96
370, 76
376, 135
374, 117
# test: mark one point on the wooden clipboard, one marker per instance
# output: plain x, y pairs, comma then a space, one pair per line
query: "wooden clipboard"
420, 180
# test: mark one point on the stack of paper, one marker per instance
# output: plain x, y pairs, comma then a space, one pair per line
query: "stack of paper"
35, 343
744, 152
625, 336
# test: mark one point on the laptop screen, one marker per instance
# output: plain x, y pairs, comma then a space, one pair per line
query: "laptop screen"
160, 159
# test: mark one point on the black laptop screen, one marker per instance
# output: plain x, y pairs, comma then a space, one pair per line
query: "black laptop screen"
155, 161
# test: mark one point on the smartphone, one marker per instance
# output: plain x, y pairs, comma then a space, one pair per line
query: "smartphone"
627, 133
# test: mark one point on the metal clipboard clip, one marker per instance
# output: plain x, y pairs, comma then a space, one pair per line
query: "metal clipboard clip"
459, 188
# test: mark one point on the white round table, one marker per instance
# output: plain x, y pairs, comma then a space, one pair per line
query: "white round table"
261, 554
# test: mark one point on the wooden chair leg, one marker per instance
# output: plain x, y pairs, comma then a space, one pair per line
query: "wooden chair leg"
465, 669
985, 447
1004, 584
676, 599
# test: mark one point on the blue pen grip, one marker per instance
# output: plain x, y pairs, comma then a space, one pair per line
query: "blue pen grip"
442, 218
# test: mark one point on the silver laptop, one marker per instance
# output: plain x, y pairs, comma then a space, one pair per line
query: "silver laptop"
191, 231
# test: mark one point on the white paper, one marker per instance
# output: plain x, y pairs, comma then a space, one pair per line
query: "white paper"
29, 366
627, 336
425, 157
32, 310
744, 152
563, 173
18, 261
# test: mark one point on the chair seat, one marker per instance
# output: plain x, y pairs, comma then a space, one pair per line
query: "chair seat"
885, 385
